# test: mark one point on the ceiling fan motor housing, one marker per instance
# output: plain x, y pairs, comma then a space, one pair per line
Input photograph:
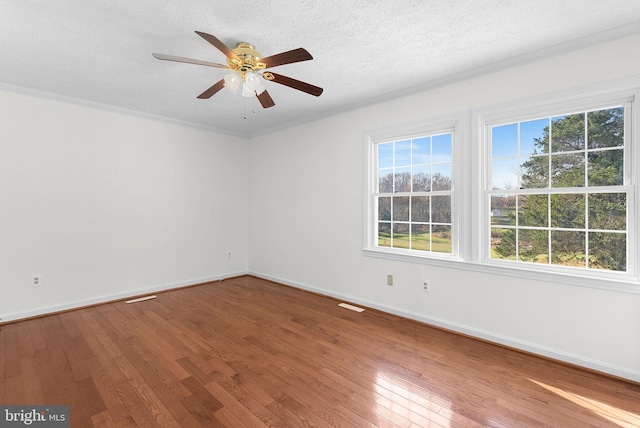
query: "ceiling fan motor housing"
249, 59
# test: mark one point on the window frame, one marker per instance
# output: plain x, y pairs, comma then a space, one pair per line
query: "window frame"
470, 162
446, 124
579, 106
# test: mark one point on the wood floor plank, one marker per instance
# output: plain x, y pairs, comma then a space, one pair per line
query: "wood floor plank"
148, 386
251, 396
203, 414
249, 352
31, 380
12, 356
118, 392
240, 412
176, 336
316, 406
92, 400
25, 344
148, 397
362, 400
166, 355
14, 390
229, 419
105, 377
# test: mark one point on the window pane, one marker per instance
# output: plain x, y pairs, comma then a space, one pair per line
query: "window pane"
556, 168
420, 237
385, 155
400, 235
385, 181
533, 246
402, 180
533, 210
420, 209
441, 209
606, 168
504, 173
568, 211
534, 137
567, 170
421, 152
441, 239
535, 172
421, 178
567, 133
568, 248
401, 208
441, 148
503, 244
504, 140
402, 153
503, 210
606, 128
384, 209
608, 251
384, 234
441, 179
608, 211
408, 171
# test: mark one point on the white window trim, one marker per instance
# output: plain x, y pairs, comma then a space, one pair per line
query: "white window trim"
470, 175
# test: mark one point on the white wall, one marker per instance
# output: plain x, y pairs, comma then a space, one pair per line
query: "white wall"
306, 225
107, 205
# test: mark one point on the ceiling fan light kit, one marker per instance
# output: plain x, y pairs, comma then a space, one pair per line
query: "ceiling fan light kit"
253, 83
247, 67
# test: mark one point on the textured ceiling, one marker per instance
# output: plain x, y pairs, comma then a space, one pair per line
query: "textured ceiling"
99, 51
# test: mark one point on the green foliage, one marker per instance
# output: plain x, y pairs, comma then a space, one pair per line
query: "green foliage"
506, 249
558, 161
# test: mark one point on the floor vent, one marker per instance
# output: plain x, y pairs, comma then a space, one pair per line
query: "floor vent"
141, 299
353, 308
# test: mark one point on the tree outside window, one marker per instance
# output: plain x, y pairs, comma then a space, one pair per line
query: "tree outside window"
558, 194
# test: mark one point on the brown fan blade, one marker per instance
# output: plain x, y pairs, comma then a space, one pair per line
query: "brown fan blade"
188, 60
212, 90
288, 57
265, 99
296, 84
218, 44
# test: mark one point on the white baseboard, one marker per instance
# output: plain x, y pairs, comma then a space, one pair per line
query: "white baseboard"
113, 297
533, 348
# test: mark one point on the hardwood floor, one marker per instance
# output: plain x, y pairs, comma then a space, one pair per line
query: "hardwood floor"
248, 352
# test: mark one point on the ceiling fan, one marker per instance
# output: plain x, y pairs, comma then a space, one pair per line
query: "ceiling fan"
248, 70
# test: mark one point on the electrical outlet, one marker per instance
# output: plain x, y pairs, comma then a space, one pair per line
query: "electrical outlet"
36, 280
389, 279
426, 285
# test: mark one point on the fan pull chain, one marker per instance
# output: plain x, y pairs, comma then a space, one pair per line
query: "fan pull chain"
253, 108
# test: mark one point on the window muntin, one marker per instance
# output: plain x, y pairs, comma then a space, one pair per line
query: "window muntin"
413, 193
558, 194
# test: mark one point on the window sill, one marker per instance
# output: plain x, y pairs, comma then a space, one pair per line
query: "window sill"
622, 284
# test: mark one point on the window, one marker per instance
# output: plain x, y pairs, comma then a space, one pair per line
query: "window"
558, 194
544, 188
411, 201
414, 193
